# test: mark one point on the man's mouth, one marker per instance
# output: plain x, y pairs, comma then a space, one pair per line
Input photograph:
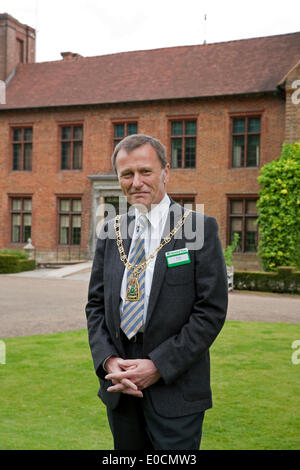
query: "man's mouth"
139, 193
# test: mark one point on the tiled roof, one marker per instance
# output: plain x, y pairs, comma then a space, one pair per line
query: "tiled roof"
227, 68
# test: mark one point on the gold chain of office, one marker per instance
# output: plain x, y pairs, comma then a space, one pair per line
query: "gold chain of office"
138, 269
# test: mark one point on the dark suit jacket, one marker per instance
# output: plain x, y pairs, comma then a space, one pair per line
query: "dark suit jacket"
187, 309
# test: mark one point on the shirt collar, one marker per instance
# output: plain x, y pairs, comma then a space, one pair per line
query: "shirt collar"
158, 212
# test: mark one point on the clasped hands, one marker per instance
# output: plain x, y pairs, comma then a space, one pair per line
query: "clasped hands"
130, 376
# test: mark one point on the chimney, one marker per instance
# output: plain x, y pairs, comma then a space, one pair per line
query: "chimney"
17, 45
70, 55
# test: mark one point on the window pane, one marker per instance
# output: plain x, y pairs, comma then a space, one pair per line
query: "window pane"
66, 133
76, 229
77, 156
16, 228
253, 150
251, 235
238, 151
65, 205
251, 207
64, 229
176, 153
190, 152
76, 221
76, 205
66, 156
16, 204
190, 128
17, 135
131, 128
78, 133
119, 130
27, 204
254, 125
27, 156
236, 207
26, 227
177, 128
17, 148
239, 126
76, 235
28, 134
236, 225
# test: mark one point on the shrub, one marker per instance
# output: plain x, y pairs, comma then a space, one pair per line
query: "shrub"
19, 253
27, 264
228, 252
279, 210
9, 264
14, 261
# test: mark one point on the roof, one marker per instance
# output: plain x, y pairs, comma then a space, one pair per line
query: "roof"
227, 68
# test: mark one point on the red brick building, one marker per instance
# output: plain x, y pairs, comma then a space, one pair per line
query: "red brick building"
222, 110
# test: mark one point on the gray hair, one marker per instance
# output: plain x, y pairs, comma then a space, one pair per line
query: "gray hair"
137, 140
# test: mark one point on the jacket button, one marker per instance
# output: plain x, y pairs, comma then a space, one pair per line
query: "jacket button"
117, 334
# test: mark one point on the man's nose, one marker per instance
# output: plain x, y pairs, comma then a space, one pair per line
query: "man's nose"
137, 180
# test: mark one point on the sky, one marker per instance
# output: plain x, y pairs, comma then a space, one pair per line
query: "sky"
97, 27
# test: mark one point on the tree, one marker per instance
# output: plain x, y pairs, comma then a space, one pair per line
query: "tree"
279, 210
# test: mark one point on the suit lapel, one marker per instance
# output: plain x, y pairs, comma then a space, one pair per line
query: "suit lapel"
175, 214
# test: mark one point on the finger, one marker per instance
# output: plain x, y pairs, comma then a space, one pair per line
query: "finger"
134, 393
127, 391
128, 384
116, 376
116, 388
126, 367
128, 363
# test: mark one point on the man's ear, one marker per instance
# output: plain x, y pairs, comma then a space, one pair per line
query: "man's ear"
166, 173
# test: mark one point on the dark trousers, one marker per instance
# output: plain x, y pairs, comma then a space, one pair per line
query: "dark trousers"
135, 425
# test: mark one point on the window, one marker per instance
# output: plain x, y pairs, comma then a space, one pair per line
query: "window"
245, 142
242, 217
69, 221
22, 148
183, 144
21, 208
123, 129
71, 147
186, 201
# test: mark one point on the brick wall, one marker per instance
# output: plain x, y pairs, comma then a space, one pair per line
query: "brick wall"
210, 182
292, 125
10, 31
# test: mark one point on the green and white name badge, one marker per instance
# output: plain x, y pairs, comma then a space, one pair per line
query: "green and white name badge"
178, 257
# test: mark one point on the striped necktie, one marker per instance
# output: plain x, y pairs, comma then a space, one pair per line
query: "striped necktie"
132, 315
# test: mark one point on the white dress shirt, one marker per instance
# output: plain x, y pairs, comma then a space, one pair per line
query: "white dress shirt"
157, 218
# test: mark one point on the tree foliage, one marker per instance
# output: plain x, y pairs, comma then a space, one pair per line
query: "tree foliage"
279, 210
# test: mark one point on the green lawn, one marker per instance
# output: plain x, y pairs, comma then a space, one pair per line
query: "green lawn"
49, 392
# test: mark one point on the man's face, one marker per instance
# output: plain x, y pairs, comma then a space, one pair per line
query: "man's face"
142, 179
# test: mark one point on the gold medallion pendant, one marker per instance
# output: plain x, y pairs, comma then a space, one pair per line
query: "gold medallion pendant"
133, 290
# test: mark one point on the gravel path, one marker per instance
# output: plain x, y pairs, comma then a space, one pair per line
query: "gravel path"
31, 305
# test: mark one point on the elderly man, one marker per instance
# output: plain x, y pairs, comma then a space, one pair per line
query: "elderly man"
156, 303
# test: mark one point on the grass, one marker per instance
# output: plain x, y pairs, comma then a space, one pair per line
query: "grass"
49, 392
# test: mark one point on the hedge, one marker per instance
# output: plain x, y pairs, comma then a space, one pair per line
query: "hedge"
285, 280
13, 264
27, 264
